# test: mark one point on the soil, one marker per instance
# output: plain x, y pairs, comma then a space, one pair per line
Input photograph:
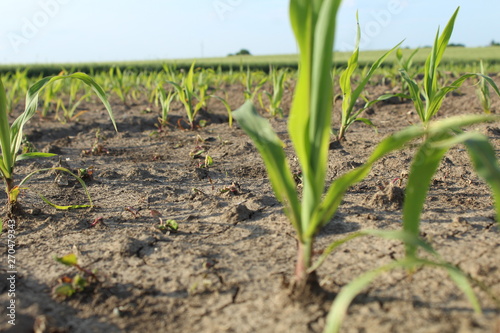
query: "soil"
227, 266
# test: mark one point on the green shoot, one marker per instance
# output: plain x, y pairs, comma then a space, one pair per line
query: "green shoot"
429, 98
406, 65
166, 100
483, 91
120, 84
70, 285
248, 79
186, 95
310, 116
11, 137
350, 97
278, 79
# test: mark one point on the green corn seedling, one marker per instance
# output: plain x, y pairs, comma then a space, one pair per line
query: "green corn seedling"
483, 91
73, 102
191, 100
350, 97
120, 84
251, 91
18, 88
186, 95
11, 136
50, 96
406, 64
314, 26
429, 98
278, 79
166, 100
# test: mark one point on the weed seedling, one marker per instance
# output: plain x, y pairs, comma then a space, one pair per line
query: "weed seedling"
133, 211
71, 284
98, 148
164, 226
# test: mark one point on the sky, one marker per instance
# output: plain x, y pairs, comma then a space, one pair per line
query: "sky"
72, 31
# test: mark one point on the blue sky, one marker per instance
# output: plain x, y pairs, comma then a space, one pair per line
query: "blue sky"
52, 31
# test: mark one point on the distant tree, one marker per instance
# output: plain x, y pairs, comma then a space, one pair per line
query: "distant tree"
456, 45
493, 43
240, 52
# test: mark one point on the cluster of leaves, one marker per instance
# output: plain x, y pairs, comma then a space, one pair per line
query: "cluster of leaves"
76, 283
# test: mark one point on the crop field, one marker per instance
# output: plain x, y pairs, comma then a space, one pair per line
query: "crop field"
242, 195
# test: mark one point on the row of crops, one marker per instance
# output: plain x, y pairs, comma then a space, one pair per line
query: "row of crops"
172, 84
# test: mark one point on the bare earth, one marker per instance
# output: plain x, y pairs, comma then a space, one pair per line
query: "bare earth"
226, 268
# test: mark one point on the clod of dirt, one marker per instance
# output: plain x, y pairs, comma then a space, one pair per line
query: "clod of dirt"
139, 174
459, 224
52, 149
237, 214
390, 197
135, 247
201, 173
110, 174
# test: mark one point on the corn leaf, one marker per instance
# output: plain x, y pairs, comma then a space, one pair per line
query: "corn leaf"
7, 160
80, 180
16, 129
271, 150
350, 291
314, 26
484, 159
434, 59
422, 170
33, 155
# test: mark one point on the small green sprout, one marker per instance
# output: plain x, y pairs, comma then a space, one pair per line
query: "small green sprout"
350, 96
483, 91
70, 285
164, 226
429, 97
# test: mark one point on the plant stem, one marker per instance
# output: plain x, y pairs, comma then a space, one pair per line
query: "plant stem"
304, 253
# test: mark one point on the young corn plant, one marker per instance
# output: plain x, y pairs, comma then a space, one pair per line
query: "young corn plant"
186, 94
406, 64
73, 102
314, 26
192, 101
166, 99
11, 136
278, 79
251, 91
429, 97
50, 96
483, 91
120, 84
18, 87
350, 96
